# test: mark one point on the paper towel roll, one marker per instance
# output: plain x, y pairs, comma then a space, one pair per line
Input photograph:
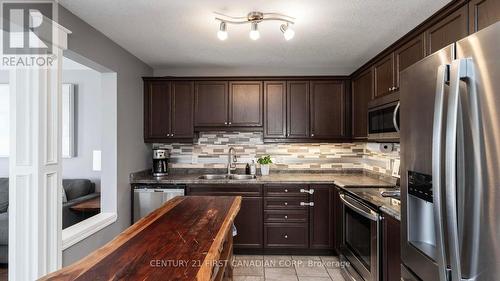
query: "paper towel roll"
380, 147
386, 147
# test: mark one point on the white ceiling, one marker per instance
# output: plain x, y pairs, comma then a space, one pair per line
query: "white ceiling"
333, 37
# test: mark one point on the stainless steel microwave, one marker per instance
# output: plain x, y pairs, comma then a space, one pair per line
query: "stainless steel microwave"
383, 119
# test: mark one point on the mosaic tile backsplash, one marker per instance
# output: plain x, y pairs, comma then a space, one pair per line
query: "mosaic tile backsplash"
211, 148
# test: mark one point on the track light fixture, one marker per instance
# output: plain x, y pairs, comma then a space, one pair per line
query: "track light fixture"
222, 33
288, 32
254, 31
254, 18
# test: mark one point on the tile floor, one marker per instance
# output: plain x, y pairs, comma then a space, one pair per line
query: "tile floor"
286, 268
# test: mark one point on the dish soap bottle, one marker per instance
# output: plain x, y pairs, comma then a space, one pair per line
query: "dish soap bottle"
253, 168
247, 169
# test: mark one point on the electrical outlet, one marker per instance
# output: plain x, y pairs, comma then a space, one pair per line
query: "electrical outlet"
395, 168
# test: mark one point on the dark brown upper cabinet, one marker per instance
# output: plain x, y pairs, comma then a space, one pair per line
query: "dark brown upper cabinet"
157, 110
298, 109
211, 103
274, 109
384, 76
408, 54
327, 107
228, 104
321, 218
483, 13
168, 108
245, 103
182, 110
285, 110
362, 92
448, 30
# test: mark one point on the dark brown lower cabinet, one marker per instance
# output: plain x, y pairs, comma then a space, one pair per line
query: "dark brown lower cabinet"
391, 249
286, 218
286, 235
249, 221
338, 221
284, 203
249, 224
280, 216
321, 218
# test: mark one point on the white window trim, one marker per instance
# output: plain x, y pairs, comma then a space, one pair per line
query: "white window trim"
85, 228
109, 214
68, 121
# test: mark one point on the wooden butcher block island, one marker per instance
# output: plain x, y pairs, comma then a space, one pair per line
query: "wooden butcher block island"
188, 238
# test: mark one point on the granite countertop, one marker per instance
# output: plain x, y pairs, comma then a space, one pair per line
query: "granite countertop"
367, 187
372, 196
339, 179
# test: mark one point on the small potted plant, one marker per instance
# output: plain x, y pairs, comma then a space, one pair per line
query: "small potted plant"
264, 162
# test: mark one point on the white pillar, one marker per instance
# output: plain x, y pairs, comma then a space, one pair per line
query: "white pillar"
35, 183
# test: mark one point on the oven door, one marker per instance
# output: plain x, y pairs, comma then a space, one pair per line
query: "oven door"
360, 239
383, 123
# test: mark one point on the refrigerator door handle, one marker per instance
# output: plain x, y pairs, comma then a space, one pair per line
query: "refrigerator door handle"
459, 71
437, 145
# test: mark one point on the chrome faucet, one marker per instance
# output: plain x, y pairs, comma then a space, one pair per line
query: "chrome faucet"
231, 160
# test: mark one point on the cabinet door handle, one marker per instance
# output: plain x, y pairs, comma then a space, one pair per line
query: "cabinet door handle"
286, 190
311, 204
310, 191
171, 135
286, 217
225, 123
286, 236
229, 123
286, 203
312, 135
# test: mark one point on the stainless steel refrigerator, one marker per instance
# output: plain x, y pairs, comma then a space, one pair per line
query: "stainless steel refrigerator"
450, 162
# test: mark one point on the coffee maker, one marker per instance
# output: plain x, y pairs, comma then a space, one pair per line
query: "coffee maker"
160, 162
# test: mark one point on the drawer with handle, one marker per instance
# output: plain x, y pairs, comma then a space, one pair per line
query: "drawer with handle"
286, 235
287, 190
287, 203
292, 216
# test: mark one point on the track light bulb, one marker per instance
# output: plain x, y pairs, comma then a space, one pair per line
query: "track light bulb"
222, 33
288, 32
254, 32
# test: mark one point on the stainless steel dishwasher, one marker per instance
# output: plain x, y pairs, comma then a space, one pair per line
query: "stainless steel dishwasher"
148, 198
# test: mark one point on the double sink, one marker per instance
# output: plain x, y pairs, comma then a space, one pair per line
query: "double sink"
227, 177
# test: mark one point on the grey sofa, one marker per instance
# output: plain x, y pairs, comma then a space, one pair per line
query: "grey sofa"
76, 190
